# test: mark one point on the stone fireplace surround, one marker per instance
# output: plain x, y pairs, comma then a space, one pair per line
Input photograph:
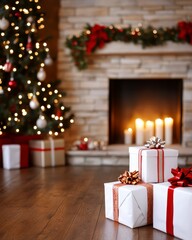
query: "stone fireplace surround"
89, 93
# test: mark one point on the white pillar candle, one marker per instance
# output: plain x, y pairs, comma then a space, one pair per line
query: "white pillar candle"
149, 130
139, 124
168, 130
159, 128
128, 136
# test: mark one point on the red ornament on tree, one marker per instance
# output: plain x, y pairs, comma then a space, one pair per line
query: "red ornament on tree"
12, 108
18, 14
74, 43
58, 113
12, 83
8, 67
29, 44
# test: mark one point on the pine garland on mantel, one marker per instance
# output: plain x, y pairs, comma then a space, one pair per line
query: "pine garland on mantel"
94, 37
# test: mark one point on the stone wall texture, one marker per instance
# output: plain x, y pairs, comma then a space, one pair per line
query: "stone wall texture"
87, 90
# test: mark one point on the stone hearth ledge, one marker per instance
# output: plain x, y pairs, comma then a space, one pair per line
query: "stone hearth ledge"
118, 155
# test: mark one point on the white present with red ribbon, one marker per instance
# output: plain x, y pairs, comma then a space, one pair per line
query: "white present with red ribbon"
15, 156
154, 165
47, 153
172, 210
130, 205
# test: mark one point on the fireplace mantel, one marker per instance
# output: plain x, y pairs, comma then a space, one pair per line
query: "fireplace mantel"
131, 48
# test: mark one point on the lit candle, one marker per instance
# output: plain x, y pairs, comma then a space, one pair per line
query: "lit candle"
139, 131
159, 128
149, 131
168, 130
128, 136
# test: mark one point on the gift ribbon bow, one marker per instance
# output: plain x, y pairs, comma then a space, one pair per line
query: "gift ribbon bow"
182, 177
155, 142
131, 178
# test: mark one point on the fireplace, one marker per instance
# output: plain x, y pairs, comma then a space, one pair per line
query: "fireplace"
88, 91
148, 99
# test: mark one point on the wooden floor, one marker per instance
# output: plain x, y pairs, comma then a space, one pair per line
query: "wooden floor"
62, 203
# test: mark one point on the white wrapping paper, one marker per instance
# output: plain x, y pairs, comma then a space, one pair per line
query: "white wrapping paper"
150, 166
132, 204
11, 156
46, 153
182, 210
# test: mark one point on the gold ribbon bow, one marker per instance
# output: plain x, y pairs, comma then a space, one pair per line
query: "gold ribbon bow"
155, 142
131, 178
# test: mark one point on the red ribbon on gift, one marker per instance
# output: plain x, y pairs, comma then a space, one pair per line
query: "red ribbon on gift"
46, 149
160, 164
182, 178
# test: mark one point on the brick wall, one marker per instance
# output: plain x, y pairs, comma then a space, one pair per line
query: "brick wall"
87, 90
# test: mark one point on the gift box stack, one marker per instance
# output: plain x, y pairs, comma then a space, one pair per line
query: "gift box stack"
154, 191
24, 151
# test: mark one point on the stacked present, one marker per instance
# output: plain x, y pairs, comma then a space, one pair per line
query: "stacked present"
153, 191
48, 152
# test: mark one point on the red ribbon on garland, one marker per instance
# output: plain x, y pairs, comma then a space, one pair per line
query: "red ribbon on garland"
182, 178
185, 31
96, 36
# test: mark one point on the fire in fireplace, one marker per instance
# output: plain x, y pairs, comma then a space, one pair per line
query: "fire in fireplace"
146, 99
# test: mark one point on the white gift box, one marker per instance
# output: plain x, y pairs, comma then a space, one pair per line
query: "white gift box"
154, 165
182, 211
130, 205
11, 156
46, 153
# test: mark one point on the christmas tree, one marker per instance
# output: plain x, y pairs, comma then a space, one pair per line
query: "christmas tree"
29, 103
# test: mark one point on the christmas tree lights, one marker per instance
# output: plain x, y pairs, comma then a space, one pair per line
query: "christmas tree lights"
29, 104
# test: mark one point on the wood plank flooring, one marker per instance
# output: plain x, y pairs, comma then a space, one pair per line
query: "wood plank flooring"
62, 203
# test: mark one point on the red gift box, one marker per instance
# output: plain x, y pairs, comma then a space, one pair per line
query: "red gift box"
24, 160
